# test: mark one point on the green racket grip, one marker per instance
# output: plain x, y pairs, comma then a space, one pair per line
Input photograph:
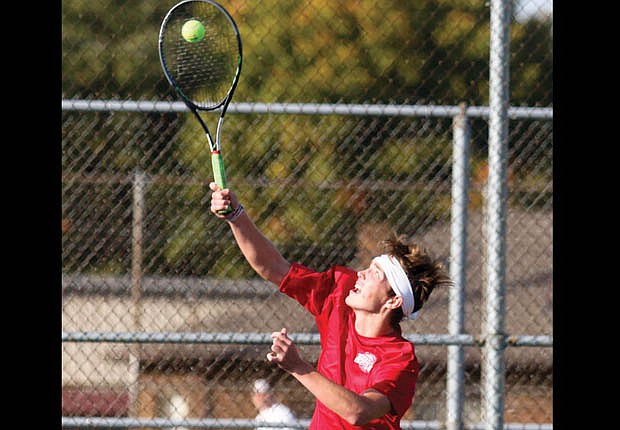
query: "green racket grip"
219, 174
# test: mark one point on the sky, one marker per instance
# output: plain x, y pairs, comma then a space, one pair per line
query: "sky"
526, 8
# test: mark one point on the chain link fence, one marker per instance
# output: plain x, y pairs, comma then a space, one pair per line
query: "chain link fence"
343, 129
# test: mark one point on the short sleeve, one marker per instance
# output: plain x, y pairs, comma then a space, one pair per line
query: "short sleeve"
397, 380
308, 287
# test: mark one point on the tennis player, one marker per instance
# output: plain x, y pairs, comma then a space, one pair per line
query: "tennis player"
367, 372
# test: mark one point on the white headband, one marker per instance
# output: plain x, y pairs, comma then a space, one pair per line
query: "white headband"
397, 278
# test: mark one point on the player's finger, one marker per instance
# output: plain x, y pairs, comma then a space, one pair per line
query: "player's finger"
282, 333
281, 341
218, 206
218, 192
274, 348
218, 199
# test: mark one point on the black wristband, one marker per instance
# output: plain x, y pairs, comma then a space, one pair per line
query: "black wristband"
235, 214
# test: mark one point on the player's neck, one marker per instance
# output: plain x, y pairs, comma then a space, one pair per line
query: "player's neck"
372, 325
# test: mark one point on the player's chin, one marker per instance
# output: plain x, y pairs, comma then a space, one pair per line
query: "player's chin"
349, 300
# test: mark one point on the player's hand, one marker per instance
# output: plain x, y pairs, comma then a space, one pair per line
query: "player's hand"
284, 353
221, 199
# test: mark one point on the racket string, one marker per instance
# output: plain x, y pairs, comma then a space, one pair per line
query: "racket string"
203, 71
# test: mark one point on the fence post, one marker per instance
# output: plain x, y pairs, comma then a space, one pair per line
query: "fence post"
136, 285
493, 330
458, 254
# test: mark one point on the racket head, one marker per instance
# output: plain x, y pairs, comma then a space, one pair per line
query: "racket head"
203, 73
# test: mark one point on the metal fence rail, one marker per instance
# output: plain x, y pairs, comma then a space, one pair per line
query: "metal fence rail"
514, 112
299, 338
250, 424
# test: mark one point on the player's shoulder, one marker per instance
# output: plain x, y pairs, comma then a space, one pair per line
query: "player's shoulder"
399, 348
344, 274
407, 351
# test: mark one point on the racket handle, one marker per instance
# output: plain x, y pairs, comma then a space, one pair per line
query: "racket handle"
217, 162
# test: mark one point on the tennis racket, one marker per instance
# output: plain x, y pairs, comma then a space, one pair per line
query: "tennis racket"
203, 70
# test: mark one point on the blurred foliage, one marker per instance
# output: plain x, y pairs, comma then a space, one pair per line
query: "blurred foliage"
300, 176
424, 51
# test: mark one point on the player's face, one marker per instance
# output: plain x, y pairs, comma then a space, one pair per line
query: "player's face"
371, 290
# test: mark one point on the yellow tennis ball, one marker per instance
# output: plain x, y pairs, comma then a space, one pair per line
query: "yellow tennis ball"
193, 31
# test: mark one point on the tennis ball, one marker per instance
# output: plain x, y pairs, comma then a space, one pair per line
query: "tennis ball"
193, 31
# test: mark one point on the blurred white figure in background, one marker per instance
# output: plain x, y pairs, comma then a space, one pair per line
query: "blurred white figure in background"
269, 409
178, 409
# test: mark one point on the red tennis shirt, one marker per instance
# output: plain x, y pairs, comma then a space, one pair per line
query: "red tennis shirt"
386, 363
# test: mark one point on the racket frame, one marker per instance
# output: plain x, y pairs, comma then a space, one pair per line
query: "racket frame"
217, 161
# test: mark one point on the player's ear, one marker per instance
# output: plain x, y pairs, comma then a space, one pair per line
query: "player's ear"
394, 302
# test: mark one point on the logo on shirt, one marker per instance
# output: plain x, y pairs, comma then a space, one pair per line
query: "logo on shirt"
365, 360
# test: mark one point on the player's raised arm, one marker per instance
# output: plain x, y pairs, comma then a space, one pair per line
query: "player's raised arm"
259, 251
